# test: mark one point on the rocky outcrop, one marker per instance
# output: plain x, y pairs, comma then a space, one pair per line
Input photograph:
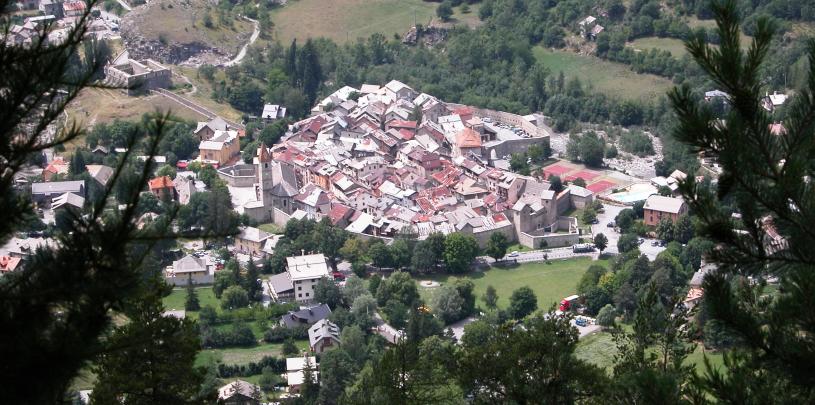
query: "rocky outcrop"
172, 53
429, 36
169, 32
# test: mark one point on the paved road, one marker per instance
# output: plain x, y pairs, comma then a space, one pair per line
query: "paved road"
239, 57
386, 331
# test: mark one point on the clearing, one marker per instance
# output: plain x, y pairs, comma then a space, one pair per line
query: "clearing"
347, 20
244, 355
599, 349
176, 299
675, 46
613, 79
550, 281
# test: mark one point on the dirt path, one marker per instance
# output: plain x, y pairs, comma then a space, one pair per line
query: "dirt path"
242, 54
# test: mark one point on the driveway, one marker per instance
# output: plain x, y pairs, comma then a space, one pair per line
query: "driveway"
603, 218
458, 327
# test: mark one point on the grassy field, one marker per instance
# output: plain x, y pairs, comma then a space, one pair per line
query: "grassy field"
347, 20
107, 105
675, 46
244, 355
270, 228
599, 349
614, 79
551, 282
175, 301
203, 92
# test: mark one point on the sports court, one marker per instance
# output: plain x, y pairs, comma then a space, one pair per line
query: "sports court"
597, 181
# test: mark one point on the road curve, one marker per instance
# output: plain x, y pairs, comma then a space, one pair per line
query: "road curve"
242, 53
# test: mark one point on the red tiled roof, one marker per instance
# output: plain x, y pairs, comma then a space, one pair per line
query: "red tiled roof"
73, 6
406, 134
58, 165
468, 138
160, 182
338, 212
402, 124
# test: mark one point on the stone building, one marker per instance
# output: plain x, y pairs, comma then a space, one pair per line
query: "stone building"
137, 76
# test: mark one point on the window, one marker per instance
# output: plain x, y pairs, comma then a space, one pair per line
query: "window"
299, 295
299, 288
306, 295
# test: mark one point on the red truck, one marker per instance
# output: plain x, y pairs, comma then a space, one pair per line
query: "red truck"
567, 303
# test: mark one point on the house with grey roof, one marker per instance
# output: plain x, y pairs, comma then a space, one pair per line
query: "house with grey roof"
251, 240
45, 192
305, 316
323, 336
100, 173
240, 392
69, 201
189, 268
273, 112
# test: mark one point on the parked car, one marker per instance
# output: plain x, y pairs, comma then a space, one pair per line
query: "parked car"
513, 254
581, 322
338, 276
610, 224
655, 243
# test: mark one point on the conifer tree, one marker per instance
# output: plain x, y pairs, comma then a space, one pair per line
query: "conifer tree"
768, 178
149, 360
191, 303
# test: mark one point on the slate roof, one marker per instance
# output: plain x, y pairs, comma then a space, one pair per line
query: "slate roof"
305, 316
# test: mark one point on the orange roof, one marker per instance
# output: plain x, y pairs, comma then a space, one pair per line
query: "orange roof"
468, 138
402, 124
8, 263
161, 182
57, 166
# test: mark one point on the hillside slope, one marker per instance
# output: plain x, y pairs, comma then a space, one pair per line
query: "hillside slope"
179, 31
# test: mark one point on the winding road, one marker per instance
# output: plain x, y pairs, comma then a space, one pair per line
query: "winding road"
242, 53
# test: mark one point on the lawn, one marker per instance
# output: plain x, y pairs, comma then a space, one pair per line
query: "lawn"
347, 20
518, 247
550, 282
613, 79
675, 46
244, 355
599, 349
175, 301
270, 228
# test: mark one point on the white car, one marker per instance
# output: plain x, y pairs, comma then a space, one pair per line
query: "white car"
513, 254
